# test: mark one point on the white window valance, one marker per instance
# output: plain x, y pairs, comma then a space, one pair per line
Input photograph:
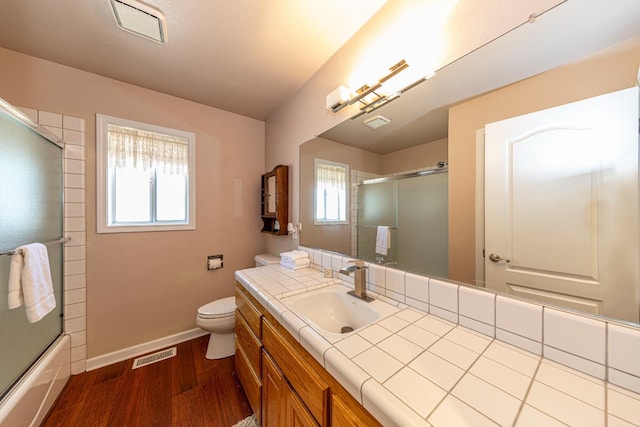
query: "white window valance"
143, 150
330, 177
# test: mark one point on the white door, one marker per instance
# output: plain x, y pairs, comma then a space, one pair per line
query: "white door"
561, 205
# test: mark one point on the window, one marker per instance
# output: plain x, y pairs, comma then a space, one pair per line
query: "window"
331, 192
146, 177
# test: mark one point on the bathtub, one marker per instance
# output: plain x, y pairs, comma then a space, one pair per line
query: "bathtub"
33, 396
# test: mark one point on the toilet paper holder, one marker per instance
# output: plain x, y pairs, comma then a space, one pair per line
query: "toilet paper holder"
214, 262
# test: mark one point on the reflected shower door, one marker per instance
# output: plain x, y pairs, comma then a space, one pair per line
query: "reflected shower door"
423, 230
377, 205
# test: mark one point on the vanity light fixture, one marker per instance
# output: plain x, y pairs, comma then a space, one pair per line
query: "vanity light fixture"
377, 122
384, 100
140, 19
339, 96
363, 91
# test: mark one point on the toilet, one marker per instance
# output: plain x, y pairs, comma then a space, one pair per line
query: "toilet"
218, 318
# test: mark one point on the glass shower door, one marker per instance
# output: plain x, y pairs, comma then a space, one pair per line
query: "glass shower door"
31, 206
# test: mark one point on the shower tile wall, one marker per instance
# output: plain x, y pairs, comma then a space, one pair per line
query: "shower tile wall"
72, 131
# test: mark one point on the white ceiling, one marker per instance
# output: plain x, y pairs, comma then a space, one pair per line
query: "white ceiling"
243, 56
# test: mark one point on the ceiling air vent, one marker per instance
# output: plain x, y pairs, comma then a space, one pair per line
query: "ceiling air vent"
377, 121
140, 19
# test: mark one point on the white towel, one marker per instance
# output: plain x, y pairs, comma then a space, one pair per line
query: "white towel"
383, 240
295, 264
30, 281
295, 260
294, 255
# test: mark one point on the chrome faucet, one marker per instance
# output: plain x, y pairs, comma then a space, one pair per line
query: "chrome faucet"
359, 279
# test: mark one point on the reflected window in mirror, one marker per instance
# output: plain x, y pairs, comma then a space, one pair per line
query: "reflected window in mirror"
331, 192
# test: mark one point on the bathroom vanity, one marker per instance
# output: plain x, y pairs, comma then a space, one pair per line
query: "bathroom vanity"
284, 384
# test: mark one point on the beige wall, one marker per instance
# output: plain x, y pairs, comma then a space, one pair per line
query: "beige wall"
144, 286
597, 75
469, 25
417, 157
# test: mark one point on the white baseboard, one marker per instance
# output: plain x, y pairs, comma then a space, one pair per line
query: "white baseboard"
140, 349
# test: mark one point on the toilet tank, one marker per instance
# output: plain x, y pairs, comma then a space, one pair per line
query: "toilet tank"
266, 259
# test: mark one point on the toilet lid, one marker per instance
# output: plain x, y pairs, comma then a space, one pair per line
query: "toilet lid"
219, 308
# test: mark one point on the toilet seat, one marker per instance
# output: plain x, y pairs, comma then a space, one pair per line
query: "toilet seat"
223, 307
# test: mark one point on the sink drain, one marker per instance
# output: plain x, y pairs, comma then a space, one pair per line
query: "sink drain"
346, 329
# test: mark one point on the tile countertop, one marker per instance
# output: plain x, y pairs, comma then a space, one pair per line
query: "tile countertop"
415, 369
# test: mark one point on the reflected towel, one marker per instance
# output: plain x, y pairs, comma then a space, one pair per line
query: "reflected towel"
383, 240
30, 281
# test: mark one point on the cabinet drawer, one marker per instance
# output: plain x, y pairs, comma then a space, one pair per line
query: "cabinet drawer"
306, 382
249, 312
249, 343
251, 384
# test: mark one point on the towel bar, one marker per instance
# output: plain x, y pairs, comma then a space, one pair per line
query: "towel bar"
60, 240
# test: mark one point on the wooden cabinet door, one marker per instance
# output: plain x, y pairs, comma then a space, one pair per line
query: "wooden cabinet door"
274, 394
297, 414
281, 406
306, 382
349, 415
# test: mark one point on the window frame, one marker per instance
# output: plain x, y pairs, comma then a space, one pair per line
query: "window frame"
102, 184
347, 177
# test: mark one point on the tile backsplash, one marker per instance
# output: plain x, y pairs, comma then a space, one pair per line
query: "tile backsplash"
602, 348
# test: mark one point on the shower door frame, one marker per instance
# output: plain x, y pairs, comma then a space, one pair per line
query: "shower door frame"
22, 119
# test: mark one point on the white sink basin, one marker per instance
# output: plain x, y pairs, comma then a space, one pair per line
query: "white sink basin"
334, 314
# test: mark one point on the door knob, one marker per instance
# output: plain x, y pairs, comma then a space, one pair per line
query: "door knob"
497, 258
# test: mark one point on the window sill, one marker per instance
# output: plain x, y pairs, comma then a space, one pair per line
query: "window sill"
331, 223
144, 228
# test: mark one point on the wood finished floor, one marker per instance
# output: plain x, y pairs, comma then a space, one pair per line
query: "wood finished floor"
186, 390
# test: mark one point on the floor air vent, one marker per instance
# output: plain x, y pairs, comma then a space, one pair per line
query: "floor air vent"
155, 357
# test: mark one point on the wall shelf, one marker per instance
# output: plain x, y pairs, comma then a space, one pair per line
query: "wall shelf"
275, 200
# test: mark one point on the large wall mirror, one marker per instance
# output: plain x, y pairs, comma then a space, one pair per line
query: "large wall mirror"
576, 51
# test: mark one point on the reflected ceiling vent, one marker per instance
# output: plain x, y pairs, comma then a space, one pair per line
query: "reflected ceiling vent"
377, 121
140, 19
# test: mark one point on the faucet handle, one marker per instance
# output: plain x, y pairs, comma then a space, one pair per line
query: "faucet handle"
358, 262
